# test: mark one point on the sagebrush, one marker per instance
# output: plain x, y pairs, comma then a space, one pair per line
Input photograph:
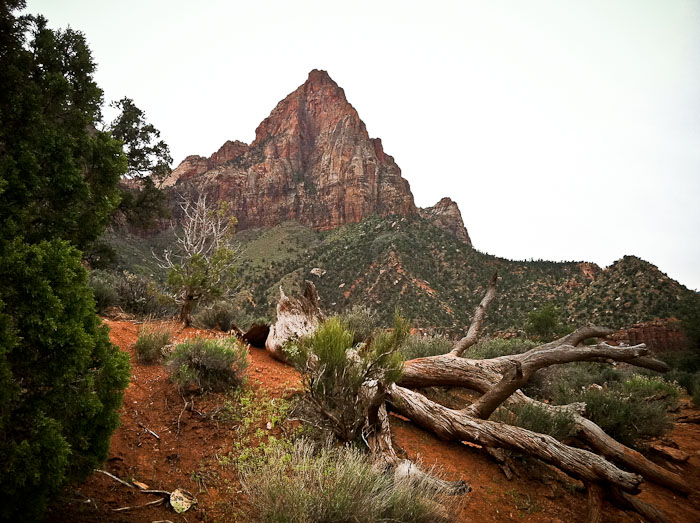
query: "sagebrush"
334, 370
151, 342
209, 364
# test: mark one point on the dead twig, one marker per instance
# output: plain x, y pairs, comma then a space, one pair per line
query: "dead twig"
127, 484
155, 491
144, 427
177, 433
149, 504
115, 478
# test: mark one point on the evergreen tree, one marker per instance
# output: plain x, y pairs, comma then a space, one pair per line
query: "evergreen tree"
61, 380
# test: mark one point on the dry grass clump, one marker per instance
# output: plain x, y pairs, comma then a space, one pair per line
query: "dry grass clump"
152, 341
306, 484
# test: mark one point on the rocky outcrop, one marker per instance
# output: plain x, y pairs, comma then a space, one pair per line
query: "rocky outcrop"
445, 214
658, 335
195, 165
312, 161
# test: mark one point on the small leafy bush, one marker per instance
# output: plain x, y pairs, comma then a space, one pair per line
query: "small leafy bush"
685, 370
537, 419
151, 342
209, 365
308, 485
626, 405
333, 372
361, 321
495, 347
418, 346
220, 315
103, 289
141, 296
545, 324
626, 418
61, 379
652, 388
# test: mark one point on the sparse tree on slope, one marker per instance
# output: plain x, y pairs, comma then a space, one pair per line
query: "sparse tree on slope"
148, 156
201, 265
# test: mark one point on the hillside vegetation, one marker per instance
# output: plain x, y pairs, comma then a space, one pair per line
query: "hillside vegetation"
425, 272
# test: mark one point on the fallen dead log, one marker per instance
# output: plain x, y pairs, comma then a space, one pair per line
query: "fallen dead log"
451, 424
499, 380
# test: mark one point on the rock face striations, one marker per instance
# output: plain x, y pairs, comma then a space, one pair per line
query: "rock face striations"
311, 161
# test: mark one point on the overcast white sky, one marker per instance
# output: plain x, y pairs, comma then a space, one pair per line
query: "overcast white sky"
564, 130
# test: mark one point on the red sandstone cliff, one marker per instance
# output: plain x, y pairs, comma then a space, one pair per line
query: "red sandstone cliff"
658, 335
312, 161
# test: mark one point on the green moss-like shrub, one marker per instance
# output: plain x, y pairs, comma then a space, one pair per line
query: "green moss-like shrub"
333, 371
151, 342
361, 321
628, 406
209, 365
419, 346
221, 315
103, 284
537, 419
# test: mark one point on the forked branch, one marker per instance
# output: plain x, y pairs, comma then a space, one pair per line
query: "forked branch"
479, 314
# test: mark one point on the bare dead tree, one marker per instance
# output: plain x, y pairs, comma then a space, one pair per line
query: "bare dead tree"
609, 469
201, 264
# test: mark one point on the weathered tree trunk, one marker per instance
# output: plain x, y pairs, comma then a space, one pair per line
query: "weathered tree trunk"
499, 380
186, 311
595, 503
451, 424
296, 317
378, 437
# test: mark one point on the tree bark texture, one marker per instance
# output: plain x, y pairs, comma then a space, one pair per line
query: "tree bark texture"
296, 317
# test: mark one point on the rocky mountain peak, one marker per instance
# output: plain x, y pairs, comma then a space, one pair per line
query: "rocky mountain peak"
312, 161
446, 215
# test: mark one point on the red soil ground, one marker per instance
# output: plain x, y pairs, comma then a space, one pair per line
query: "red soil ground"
190, 445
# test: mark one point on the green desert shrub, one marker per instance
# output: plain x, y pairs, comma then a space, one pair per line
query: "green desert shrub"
361, 321
419, 346
221, 315
140, 295
628, 406
333, 371
626, 418
311, 485
537, 419
495, 347
103, 285
545, 323
209, 365
151, 342
651, 388
685, 371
